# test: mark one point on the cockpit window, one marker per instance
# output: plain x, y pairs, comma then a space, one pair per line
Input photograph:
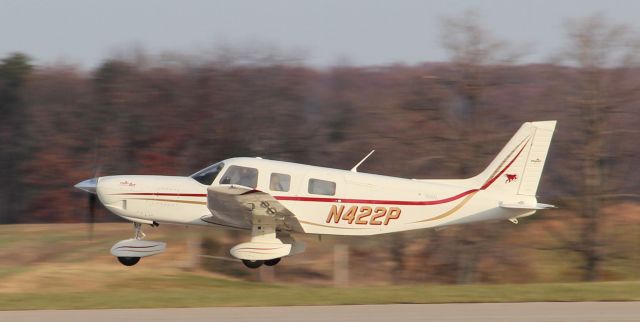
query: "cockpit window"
243, 176
208, 174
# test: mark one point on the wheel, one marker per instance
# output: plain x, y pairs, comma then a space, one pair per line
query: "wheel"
272, 262
128, 261
252, 264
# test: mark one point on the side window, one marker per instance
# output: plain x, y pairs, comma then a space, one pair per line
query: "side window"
279, 182
243, 176
322, 187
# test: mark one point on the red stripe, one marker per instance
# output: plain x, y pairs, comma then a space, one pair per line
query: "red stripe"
364, 201
164, 194
140, 251
486, 185
407, 203
380, 202
137, 246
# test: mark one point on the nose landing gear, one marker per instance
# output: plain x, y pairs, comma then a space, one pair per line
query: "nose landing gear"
129, 251
128, 261
137, 227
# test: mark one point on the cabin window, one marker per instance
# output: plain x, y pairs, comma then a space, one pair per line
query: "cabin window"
322, 187
279, 182
208, 174
243, 176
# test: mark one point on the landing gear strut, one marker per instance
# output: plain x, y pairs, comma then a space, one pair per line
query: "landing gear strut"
267, 245
137, 227
129, 251
138, 235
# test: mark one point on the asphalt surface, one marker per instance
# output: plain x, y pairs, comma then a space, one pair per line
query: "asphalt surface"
539, 312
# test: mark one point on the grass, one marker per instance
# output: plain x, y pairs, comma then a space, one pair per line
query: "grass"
56, 267
188, 290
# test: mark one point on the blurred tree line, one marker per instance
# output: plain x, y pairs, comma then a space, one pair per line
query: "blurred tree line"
173, 115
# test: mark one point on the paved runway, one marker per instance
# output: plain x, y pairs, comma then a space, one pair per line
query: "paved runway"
539, 312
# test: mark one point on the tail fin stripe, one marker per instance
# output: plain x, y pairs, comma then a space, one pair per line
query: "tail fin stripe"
492, 180
506, 158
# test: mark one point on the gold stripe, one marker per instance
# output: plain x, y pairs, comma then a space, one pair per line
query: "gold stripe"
173, 200
321, 225
525, 141
468, 198
451, 211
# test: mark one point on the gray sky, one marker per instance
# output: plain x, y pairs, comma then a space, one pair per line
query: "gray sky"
366, 32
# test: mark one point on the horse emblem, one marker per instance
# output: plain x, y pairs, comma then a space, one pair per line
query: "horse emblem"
511, 177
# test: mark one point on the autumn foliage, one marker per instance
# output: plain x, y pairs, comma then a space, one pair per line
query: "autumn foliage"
61, 124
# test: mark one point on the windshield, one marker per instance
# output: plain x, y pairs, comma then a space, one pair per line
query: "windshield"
208, 174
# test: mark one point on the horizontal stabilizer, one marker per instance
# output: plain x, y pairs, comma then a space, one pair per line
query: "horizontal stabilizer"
537, 206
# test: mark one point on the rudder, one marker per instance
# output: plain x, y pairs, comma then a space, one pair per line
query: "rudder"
536, 158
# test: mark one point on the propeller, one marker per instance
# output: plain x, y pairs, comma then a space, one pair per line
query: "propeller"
93, 199
90, 186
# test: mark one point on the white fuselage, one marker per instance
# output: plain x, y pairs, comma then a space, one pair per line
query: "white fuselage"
362, 204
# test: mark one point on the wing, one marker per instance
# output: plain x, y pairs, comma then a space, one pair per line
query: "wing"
236, 205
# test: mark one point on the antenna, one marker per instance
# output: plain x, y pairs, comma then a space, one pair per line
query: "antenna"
355, 168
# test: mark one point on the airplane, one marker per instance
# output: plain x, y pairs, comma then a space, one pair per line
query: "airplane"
275, 200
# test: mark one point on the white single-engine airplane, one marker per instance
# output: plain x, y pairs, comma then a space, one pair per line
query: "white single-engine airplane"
276, 199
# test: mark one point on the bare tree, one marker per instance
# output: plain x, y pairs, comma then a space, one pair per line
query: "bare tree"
478, 61
602, 57
14, 75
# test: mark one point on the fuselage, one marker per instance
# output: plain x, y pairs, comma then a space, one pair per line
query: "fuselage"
323, 200
274, 199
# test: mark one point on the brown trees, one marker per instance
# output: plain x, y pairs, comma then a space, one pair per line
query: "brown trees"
478, 61
14, 72
433, 120
605, 58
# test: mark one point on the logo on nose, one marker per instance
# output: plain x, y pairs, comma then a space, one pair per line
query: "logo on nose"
127, 184
511, 177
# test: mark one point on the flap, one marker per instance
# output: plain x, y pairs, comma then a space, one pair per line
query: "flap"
237, 205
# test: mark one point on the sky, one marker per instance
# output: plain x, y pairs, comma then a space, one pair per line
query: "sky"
85, 32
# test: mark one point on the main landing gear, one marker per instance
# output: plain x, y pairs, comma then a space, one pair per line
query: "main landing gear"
257, 263
272, 262
267, 246
129, 251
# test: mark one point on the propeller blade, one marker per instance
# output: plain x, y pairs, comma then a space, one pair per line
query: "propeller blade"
92, 214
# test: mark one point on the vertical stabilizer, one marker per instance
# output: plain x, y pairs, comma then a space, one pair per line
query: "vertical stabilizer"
542, 134
518, 167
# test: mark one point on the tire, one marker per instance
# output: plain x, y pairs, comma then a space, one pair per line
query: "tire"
252, 264
128, 261
272, 262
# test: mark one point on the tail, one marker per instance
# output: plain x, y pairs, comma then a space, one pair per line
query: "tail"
517, 169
